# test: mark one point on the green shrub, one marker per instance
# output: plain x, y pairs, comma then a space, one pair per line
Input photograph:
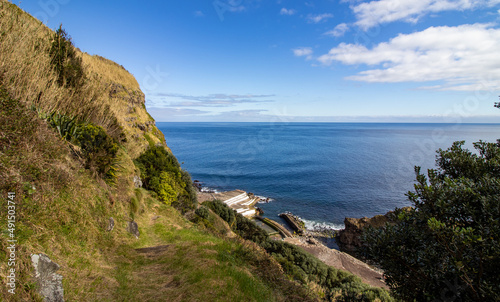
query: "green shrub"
304, 267
166, 187
249, 230
450, 239
161, 173
221, 209
192, 193
65, 60
154, 161
98, 149
202, 212
243, 226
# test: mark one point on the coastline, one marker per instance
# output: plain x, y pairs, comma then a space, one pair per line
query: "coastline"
320, 243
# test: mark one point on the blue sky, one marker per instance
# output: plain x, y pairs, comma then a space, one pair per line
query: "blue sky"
279, 60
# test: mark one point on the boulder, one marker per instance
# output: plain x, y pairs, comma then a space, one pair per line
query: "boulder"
133, 228
111, 224
48, 281
137, 182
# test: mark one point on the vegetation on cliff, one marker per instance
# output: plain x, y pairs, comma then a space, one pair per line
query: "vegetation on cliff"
447, 248
63, 131
333, 284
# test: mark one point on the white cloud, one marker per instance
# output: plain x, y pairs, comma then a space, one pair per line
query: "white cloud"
373, 13
318, 18
287, 12
464, 57
212, 100
338, 31
303, 52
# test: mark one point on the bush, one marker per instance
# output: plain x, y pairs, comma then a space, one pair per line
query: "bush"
161, 173
304, 267
65, 125
98, 149
243, 226
202, 212
65, 61
221, 209
448, 245
247, 229
192, 193
166, 187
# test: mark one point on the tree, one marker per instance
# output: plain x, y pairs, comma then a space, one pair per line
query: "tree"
65, 61
447, 248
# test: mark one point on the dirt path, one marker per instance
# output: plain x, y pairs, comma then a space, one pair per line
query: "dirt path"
341, 261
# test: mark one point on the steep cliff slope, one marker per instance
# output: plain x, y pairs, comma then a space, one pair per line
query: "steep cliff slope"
68, 141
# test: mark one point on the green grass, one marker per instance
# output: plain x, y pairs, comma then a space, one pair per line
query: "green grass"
196, 267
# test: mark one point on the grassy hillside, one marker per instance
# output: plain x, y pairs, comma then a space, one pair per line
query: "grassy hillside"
63, 208
74, 133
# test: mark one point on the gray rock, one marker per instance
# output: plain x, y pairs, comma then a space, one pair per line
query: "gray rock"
133, 228
137, 182
48, 281
111, 224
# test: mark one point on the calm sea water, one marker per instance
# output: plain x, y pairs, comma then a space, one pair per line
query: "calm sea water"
322, 172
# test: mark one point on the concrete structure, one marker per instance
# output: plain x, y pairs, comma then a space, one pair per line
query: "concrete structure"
241, 201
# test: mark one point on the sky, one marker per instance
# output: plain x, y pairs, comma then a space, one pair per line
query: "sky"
297, 61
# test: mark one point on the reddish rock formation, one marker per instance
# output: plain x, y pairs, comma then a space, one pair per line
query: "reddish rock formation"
349, 239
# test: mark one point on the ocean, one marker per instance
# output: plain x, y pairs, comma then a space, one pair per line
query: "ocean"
322, 172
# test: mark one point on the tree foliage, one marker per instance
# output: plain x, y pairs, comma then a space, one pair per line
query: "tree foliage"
447, 248
65, 60
161, 173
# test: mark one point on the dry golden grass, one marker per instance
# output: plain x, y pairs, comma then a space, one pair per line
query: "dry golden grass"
109, 71
27, 74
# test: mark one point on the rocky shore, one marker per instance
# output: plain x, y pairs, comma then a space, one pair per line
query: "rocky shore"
349, 239
313, 241
317, 242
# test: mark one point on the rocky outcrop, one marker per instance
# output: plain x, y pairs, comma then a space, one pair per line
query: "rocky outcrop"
48, 281
111, 224
137, 182
349, 239
133, 97
133, 228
